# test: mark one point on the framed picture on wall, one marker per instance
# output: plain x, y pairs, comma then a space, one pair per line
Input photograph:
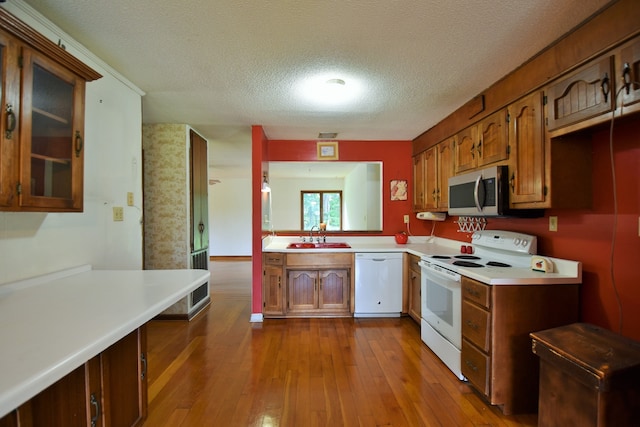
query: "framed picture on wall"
327, 150
398, 189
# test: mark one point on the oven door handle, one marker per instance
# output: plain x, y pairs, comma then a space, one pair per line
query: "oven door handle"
453, 277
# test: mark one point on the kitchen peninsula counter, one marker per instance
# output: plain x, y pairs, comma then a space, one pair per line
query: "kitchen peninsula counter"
52, 324
566, 271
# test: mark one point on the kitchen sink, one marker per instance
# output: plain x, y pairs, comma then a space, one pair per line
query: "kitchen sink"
319, 245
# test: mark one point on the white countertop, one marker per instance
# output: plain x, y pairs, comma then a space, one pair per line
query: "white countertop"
52, 324
566, 271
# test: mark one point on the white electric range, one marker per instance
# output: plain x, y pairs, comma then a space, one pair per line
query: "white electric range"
492, 253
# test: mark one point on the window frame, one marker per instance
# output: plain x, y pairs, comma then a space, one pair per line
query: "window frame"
321, 193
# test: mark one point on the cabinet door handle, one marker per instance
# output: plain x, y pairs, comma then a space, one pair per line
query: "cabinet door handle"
473, 367
626, 77
79, 143
473, 147
512, 182
11, 122
605, 87
143, 359
472, 325
94, 402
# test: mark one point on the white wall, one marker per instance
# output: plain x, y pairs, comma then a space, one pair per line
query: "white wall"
230, 217
37, 243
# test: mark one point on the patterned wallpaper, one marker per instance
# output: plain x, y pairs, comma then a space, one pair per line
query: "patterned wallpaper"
166, 202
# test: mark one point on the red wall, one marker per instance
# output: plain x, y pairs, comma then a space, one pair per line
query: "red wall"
583, 235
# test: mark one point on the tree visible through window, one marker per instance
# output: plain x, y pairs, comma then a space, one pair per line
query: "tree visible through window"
321, 206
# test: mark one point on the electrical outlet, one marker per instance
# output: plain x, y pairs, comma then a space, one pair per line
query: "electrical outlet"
553, 223
406, 219
118, 213
129, 198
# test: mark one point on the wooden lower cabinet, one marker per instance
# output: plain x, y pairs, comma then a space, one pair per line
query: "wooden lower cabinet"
307, 284
109, 390
273, 284
496, 349
415, 278
124, 380
318, 292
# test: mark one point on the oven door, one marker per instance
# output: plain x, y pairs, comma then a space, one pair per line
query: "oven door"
441, 301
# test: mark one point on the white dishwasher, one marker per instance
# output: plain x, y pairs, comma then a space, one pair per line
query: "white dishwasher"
378, 290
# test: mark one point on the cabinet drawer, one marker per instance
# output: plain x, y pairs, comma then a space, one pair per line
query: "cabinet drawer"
476, 292
476, 325
273, 258
475, 366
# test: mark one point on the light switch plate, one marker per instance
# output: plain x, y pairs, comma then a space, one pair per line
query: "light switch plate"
129, 198
553, 223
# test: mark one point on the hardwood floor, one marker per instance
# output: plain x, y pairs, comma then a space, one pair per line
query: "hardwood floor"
221, 370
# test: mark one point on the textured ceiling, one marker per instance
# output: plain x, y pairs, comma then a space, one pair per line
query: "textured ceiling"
224, 65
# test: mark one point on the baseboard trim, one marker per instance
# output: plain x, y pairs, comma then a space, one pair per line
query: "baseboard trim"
256, 318
230, 258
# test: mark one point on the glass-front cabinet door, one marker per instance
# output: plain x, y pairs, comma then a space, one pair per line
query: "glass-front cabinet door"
52, 135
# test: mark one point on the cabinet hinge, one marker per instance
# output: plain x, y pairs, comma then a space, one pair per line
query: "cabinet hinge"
544, 99
20, 61
19, 189
264, 304
546, 190
508, 118
508, 149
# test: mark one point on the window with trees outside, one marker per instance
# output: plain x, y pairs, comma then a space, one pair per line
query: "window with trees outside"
321, 206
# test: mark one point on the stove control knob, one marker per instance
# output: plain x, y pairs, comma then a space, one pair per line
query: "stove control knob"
516, 241
525, 242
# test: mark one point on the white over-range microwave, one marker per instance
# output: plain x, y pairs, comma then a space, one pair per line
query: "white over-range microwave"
484, 193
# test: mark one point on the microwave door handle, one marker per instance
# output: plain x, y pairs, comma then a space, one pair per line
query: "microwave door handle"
476, 191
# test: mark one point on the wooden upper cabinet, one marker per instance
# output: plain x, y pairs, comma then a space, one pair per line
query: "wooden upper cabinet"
465, 149
431, 184
445, 171
527, 155
51, 135
586, 93
628, 71
10, 102
418, 182
41, 122
483, 143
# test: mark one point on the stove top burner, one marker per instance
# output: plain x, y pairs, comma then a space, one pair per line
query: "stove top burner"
467, 263
467, 257
497, 264
441, 257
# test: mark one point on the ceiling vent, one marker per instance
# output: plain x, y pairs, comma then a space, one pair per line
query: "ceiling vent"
329, 135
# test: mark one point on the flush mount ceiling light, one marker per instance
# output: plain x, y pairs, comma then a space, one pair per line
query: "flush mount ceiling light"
328, 90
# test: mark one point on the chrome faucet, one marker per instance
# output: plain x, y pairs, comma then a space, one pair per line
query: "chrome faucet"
311, 233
